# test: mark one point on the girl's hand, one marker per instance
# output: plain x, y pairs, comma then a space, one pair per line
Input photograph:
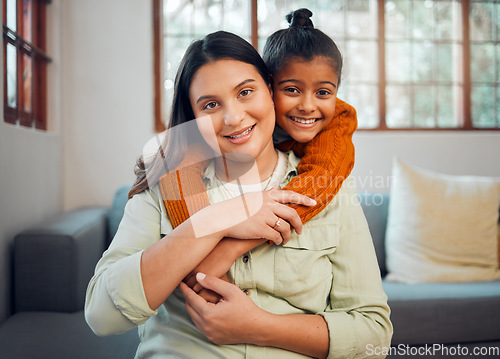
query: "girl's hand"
234, 319
262, 215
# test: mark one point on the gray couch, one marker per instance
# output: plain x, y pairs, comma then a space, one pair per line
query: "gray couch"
54, 262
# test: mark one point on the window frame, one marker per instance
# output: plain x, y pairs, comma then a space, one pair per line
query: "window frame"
35, 51
466, 124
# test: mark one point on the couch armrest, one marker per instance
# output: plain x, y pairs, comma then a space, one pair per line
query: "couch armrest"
54, 262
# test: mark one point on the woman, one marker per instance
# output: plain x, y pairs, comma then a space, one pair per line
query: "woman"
290, 305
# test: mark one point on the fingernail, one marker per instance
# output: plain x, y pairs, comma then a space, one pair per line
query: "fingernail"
313, 202
200, 276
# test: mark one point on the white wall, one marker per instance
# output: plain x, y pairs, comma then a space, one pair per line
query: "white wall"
107, 95
450, 152
30, 170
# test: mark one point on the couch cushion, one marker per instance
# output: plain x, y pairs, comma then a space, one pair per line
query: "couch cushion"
54, 262
444, 312
47, 335
442, 228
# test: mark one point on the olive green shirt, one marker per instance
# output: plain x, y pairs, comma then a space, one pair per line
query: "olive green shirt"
330, 270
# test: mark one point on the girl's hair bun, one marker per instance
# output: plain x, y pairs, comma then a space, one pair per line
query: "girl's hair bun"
300, 18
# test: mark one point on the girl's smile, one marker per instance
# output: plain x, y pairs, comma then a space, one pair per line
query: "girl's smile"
305, 93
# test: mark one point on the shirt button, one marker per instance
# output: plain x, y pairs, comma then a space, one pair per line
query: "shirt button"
245, 259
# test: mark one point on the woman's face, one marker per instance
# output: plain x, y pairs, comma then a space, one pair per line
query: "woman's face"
233, 107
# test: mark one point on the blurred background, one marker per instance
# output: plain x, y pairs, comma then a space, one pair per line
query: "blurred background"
87, 84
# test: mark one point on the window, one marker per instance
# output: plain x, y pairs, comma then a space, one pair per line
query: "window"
408, 64
25, 62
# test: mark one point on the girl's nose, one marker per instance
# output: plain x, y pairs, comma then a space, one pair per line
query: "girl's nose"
306, 104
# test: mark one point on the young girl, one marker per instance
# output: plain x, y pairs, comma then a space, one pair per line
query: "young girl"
306, 68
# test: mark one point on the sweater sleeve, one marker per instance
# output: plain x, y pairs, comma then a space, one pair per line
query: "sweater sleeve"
182, 189
327, 160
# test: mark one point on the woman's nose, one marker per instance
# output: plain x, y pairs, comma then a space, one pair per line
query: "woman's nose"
234, 115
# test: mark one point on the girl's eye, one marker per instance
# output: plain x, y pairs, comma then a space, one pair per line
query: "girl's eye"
323, 92
210, 105
291, 90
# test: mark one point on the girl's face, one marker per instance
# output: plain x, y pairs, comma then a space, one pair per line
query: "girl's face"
304, 96
233, 107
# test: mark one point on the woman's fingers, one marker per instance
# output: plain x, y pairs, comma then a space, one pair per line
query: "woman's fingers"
286, 196
290, 215
196, 302
219, 286
283, 228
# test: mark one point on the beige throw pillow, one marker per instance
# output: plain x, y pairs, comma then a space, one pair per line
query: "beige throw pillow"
442, 228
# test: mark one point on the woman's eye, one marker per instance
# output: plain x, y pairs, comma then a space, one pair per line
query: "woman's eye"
210, 105
245, 93
291, 90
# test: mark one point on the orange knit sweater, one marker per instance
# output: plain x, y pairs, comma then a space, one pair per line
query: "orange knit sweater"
327, 160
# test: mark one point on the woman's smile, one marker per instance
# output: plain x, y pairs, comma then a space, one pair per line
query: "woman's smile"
240, 137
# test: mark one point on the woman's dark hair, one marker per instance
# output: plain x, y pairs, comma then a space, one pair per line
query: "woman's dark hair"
300, 40
215, 46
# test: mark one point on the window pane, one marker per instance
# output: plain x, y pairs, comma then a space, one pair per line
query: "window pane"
11, 14
11, 75
398, 112
364, 99
422, 54
498, 62
397, 66
497, 22
397, 19
447, 20
27, 14
177, 17
422, 19
483, 106
423, 102
27, 83
362, 19
360, 61
482, 64
447, 104
481, 21
447, 69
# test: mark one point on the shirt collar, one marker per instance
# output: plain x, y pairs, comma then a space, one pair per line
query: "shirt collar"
291, 171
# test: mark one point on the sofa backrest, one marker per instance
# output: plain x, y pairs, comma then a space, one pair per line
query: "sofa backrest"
376, 206
117, 209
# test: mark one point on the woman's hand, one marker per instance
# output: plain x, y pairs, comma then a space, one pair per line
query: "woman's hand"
262, 215
234, 319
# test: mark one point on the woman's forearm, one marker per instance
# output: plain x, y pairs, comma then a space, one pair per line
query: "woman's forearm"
165, 263
301, 333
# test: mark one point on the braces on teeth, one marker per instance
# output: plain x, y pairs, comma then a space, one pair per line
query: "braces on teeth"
246, 132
